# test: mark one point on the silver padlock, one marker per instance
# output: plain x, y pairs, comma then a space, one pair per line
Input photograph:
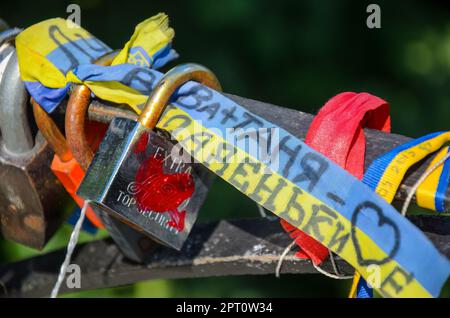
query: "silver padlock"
31, 198
133, 244
135, 177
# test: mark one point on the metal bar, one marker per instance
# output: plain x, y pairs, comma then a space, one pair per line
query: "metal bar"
297, 123
224, 248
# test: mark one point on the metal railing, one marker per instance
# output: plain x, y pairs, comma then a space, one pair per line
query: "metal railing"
227, 247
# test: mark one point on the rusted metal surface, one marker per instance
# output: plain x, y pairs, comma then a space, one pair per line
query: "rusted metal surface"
104, 112
51, 132
31, 198
75, 122
223, 248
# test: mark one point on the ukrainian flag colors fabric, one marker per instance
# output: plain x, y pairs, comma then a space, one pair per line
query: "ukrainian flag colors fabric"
51, 50
386, 173
431, 192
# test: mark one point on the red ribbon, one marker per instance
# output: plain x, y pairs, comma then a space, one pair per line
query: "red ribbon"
337, 132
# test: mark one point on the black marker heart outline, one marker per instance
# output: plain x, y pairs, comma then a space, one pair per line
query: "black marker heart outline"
382, 220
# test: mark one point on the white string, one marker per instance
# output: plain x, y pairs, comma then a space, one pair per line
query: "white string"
283, 255
263, 213
320, 270
420, 181
261, 210
70, 247
333, 263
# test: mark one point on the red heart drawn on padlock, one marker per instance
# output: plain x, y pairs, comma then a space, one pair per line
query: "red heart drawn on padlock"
160, 192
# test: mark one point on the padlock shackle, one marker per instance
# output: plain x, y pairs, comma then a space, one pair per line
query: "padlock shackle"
167, 85
51, 132
77, 107
16, 133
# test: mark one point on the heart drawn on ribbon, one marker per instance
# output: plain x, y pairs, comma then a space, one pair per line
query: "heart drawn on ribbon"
383, 224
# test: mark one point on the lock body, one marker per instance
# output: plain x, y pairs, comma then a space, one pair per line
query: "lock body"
136, 177
133, 244
31, 198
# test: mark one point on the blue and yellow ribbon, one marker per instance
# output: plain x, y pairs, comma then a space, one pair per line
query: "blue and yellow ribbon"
431, 193
294, 181
51, 50
386, 173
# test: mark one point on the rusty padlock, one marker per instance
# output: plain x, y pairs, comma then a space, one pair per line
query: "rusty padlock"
135, 177
31, 198
64, 165
133, 244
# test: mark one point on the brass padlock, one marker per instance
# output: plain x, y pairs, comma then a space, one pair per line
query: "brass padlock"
31, 198
135, 176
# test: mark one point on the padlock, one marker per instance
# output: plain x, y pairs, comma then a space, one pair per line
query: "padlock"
133, 244
31, 198
135, 177
64, 165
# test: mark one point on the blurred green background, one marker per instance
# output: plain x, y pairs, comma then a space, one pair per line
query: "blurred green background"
291, 53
